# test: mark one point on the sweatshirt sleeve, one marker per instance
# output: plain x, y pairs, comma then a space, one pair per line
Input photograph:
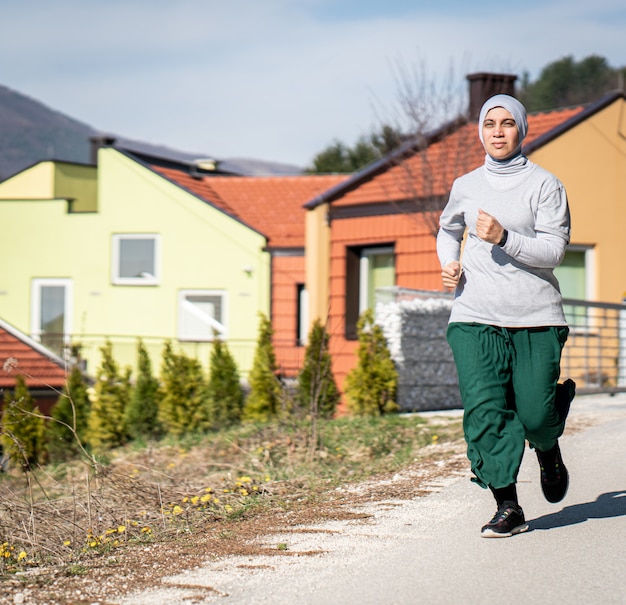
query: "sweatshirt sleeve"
552, 231
451, 231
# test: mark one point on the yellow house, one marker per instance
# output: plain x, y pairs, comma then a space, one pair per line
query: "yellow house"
116, 252
588, 153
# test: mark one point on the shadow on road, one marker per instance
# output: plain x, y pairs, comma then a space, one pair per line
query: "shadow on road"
610, 504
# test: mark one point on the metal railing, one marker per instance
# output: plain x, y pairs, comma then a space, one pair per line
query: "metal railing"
595, 353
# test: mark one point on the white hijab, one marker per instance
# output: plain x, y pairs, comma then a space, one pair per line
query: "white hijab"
516, 162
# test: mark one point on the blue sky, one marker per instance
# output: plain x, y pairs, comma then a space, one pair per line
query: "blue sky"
276, 80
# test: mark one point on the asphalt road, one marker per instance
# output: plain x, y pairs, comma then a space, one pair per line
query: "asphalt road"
429, 550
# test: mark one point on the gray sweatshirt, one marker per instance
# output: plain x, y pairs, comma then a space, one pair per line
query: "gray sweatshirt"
513, 285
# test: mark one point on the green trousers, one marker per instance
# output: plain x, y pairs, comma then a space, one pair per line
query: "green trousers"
507, 378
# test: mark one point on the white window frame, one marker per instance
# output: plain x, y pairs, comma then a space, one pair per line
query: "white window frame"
184, 306
148, 279
35, 306
303, 316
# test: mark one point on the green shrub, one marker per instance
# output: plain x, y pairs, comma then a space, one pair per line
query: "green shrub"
263, 401
23, 432
225, 392
67, 429
142, 410
106, 427
184, 407
371, 385
317, 389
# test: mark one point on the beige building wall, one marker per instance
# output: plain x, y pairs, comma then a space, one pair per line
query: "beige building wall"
590, 160
317, 237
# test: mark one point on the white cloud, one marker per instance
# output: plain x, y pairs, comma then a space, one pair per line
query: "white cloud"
275, 80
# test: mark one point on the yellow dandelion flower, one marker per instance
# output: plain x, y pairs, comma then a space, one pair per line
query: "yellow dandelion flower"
208, 490
146, 530
108, 532
21, 556
228, 508
177, 510
171, 465
435, 438
195, 500
255, 488
216, 500
243, 492
205, 498
121, 529
134, 523
245, 479
66, 542
185, 499
267, 478
93, 544
226, 491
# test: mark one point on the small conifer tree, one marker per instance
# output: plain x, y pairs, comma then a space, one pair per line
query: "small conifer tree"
23, 431
143, 408
317, 389
371, 385
184, 407
106, 427
263, 401
67, 429
225, 392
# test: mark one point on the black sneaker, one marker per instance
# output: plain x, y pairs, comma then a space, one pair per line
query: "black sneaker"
508, 521
554, 475
564, 395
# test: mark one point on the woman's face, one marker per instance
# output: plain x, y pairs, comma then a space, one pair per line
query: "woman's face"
500, 133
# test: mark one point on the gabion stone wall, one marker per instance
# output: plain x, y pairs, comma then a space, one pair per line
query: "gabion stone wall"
415, 330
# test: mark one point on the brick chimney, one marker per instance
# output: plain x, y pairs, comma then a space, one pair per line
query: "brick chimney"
484, 85
99, 141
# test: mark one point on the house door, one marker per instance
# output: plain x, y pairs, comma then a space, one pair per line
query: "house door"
50, 312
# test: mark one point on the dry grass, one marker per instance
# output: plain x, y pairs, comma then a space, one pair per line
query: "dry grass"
66, 528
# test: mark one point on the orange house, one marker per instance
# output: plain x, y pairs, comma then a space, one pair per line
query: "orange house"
378, 228
272, 206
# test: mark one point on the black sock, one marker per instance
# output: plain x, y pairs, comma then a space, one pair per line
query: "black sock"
505, 494
548, 455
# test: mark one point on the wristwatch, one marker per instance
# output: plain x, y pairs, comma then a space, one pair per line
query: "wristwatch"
505, 234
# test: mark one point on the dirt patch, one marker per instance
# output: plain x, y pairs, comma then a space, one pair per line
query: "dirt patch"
133, 568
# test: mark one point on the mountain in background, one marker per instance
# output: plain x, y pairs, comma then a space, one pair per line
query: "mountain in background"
32, 132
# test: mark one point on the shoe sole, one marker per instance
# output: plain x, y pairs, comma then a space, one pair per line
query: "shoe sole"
489, 533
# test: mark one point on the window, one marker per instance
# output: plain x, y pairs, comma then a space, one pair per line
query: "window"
136, 259
575, 277
366, 270
51, 312
302, 315
202, 315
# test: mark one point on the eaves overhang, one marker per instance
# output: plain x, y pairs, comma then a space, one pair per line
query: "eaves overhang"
562, 128
393, 158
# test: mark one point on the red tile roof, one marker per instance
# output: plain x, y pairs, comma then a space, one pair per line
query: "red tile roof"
272, 206
431, 171
21, 355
